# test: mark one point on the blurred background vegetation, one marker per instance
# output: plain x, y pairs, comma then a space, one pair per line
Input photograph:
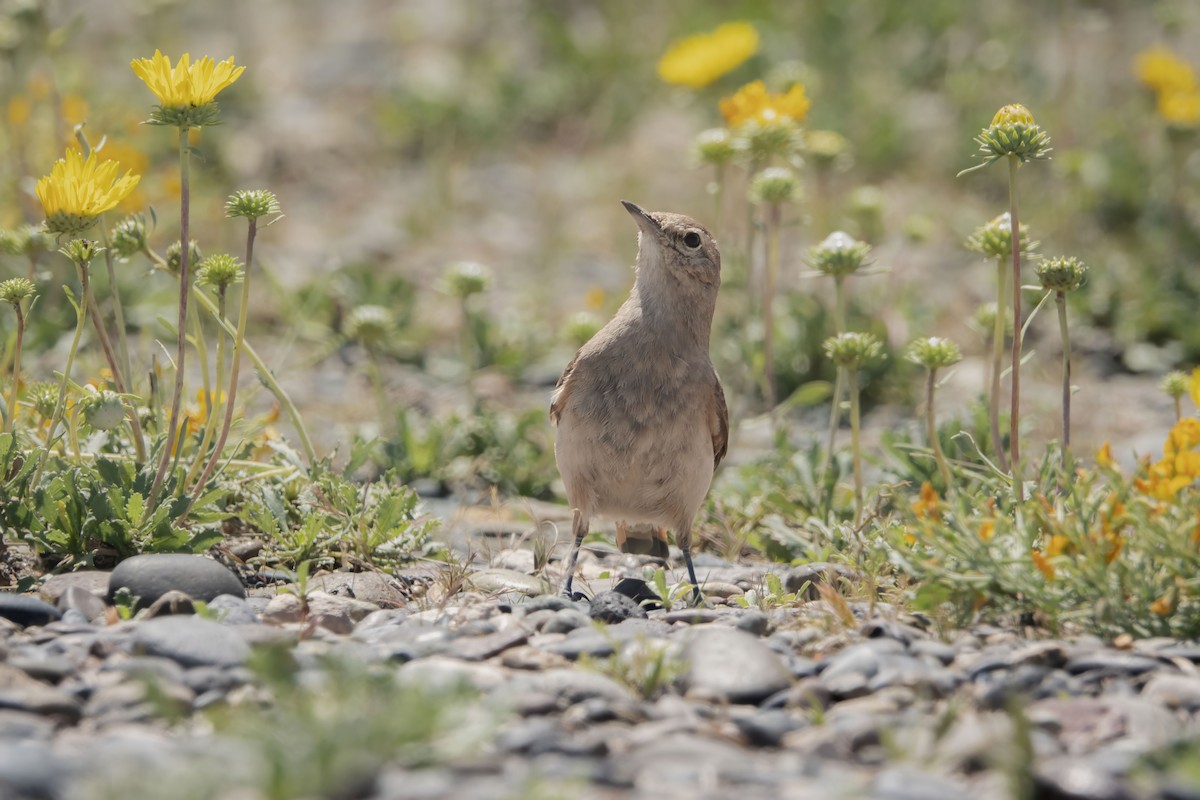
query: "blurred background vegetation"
403, 137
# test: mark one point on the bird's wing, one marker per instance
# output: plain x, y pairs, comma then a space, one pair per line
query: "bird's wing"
718, 421
562, 391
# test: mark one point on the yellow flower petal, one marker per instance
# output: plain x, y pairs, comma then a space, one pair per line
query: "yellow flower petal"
754, 102
186, 84
699, 60
83, 187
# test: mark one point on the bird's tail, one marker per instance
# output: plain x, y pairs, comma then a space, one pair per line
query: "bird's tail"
646, 540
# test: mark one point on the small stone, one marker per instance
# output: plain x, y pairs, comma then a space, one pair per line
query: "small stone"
76, 598
19, 692
93, 581
192, 641
26, 610
481, 648
614, 607
498, 581
818, 572
232, 610
565, 621
1117, 661
753, 622
371, 587
149, 577
767, 728
908, 783
1180, 692
732, 665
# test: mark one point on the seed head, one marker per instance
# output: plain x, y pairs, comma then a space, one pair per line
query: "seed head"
15, 290
129, 236
774, 185
1175, 384
853, 349
994, 238
839, 255
371, 326
251, 204
219, 271
1061, 274
103, 409
175, 251
463, 279
714, 146
934, 352
81, 251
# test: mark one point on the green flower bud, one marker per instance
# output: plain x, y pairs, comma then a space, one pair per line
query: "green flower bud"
219, 271
1175, 384
774, 185
995, 238
176, 250
827, 149
1061, 274
15, 290
714, 146
463, 279
839, 255
103, 409
984, 319
81, 251
370, 326
581, 327
251, 204
43, 396
853, 349
129, 236
763, 141
1013, 132
934, 352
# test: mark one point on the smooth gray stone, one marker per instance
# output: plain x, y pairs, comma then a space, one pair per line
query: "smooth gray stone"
753, 622
233, 610
573, 686
613, 607
818, 572
77, 598
149, 577
583, 642
18, 726
908, 783
731, 665
191, 641
1174, 691
32, 771
26, 610
566, 620
1113, 661
481, 648
768, 727
1078, 779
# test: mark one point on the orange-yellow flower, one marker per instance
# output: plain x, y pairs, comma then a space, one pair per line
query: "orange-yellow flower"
1104, 456
1180, 108
1163, 606
699, 60
78, 190
926, 505
1161, 70
186, 84
1042, 563
754, 103
987, 529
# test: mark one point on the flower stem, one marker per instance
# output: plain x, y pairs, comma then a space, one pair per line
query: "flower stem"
213, 396
774, 219
81, 315
835, 407
118, 311
852, 381
184, 290
239, 345
16, 370
1060, 298
135, 425
931, 431
1015, 411
997, 358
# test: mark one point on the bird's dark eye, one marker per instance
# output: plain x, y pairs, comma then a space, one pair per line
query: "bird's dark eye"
692, 239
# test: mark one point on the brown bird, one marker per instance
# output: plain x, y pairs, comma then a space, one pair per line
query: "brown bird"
641, 415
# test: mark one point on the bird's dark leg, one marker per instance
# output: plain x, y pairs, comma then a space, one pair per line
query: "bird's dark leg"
685, 544
579, 527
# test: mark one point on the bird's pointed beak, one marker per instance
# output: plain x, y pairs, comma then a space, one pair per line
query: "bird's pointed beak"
644, 220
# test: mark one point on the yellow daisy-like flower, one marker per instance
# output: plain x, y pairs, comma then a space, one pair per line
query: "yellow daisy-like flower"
187, 84
1161, 70
1042, 563
1180, 108
926, 504
987, 529
78, 190
699, 60
754, 103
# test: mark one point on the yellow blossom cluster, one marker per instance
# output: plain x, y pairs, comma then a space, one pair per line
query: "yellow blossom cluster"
1173, 81
699, 60
1180, 464
186, 84
83, 188
754, 103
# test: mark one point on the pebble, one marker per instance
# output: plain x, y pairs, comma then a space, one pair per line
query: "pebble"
149, 577
25, 610
615, 698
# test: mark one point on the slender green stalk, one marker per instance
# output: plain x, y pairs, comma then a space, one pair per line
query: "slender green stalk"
135, 425
1014, 422
1178, 409
118, 311
16, 370
1060, 299
839, 381
774, 223
239, 345
184, 290
213, 397
997, 361
466, 347
852, 381
264, 372
931, 431
375, 376
81, 315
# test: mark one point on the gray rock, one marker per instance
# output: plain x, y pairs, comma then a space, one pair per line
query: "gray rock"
731, 665
753, 622
614, 607
32, 771
480, 648
18, 726
572, 686
233, 610
149, 577
497, 581
566, 620
1078, 779
581, 642
19, 692
908, 783
378, 588
849, 672
1180, 692
92, 581
930, 649
191, 641
766, 728
27, 610
1113, 661
76, 598
818, 572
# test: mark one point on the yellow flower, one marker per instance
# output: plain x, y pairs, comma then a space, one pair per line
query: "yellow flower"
1161, 70
1011, 114
699, 60
1041, 562
926, 505
1104, 456
78, 190
987, 529
187, 84
1180, 108
1164, 605
754, 103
